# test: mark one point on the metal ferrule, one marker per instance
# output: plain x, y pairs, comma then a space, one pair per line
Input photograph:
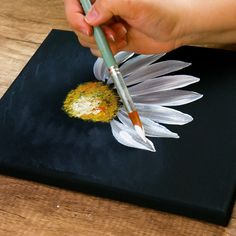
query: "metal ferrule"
121, 88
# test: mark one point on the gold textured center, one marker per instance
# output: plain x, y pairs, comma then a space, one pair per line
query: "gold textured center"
92, 101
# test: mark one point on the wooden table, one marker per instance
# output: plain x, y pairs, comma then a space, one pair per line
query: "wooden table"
28, 208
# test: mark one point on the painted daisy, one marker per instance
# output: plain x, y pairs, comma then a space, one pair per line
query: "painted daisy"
152, 91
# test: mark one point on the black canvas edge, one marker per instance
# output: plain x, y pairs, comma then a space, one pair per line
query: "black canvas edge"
50, 177
66, 181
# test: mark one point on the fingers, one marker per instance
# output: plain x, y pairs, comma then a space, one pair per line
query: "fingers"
116, 36
115, 48
120, 30
103, 10
114, 31
86, 41
75, 17
89, 41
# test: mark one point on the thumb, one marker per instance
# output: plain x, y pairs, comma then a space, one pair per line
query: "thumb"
103, 10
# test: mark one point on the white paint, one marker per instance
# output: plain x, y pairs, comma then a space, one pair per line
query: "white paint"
129, 139
85, 106
151, 77
140, 132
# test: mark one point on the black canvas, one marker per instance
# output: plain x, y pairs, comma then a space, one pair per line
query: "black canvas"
193, 176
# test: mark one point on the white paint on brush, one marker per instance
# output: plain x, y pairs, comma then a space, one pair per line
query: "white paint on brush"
141, 133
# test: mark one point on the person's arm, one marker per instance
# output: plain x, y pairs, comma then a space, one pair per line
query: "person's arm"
211, 22
155, 26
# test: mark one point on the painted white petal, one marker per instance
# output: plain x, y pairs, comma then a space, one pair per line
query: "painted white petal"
168, 98
152, 129
123, 117
138, 62
128, 137
163, 114
123, 56
100, 71
155, 70
162, 83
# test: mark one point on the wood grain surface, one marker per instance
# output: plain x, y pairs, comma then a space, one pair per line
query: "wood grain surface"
28, 208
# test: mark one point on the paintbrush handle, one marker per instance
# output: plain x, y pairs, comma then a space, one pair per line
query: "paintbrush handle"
122, 89
110, 61
100, 38
116, 76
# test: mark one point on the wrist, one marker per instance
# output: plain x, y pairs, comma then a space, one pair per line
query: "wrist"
210, 22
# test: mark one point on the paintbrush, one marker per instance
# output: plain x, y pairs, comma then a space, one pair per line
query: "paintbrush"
115, 74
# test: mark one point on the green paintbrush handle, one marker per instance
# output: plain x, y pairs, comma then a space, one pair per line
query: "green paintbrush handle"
116, 75
110, 61
100, 38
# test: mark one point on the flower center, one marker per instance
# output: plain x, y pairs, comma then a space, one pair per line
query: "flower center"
93, 101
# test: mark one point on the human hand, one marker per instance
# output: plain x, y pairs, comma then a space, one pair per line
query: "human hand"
146, 26
114, 29
142, 26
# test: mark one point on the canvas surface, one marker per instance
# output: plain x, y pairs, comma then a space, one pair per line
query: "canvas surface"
193, 176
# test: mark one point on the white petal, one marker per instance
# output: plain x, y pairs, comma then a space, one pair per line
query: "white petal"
162, 83
138, 62
155, 70
152, 129
123, 117
123, 56
168, 98
129, 137
100, 71
163, 114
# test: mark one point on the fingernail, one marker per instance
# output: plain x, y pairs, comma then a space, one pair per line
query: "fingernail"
121, 31
111, 37
92, 15
124, 30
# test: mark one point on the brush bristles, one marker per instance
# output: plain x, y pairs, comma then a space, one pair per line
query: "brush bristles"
134, 117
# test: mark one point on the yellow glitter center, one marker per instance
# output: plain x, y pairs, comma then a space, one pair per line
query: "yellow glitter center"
92, 101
